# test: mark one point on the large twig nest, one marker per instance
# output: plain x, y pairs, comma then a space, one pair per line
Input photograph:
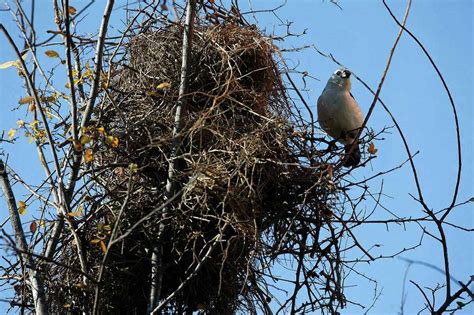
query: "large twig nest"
242, 175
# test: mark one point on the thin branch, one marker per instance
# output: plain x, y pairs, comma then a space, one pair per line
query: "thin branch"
379, 88
36, 284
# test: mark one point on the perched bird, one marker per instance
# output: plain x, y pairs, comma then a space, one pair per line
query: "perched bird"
340, 115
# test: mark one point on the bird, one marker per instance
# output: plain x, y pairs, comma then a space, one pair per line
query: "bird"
340, 116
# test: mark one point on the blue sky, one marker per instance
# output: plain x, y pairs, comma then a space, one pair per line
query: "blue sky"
360, 36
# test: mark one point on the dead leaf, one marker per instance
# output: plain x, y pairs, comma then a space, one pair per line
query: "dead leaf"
88, 156
72, 10
114, 141
26, 100
21, 207
33, 227
51, 54
101, 130
85, 139
163, 86
103, 247
11, 133
372, 149
74, 214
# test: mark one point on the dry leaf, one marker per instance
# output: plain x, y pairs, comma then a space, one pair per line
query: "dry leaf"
85, 139
114, 141
21, 207
88, 156
372, 149
26, 100
20, 123
51, 54
33, 227
101, 130
72, 10
11, 133
163, 86
103, 247
79, 212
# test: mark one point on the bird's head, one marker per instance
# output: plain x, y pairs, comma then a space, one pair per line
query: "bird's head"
341, 78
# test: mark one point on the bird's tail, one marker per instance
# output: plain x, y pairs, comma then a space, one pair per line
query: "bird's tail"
352, 158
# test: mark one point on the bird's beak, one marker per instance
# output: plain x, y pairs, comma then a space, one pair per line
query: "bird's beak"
347, 73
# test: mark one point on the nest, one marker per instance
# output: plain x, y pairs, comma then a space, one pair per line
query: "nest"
240, 174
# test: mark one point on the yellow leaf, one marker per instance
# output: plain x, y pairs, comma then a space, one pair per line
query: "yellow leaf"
53, 97
26, 100
33, 227
114, 141
21, 207
133, 167
95, 241
163, 86
20, 123
11, 133
34, 124
103, 247
85, 139
372, 149
8, 64
51, 54
101, 130
67, 305
72, 10
42, 222
88, 156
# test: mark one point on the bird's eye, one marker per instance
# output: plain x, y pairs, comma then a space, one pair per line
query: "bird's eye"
338, 72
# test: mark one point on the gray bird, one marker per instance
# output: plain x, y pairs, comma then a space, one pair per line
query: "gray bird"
340, 115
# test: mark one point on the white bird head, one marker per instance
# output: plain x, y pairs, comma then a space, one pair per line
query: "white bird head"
341, 78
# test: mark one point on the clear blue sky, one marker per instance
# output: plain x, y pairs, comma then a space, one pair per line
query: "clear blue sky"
360, 36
